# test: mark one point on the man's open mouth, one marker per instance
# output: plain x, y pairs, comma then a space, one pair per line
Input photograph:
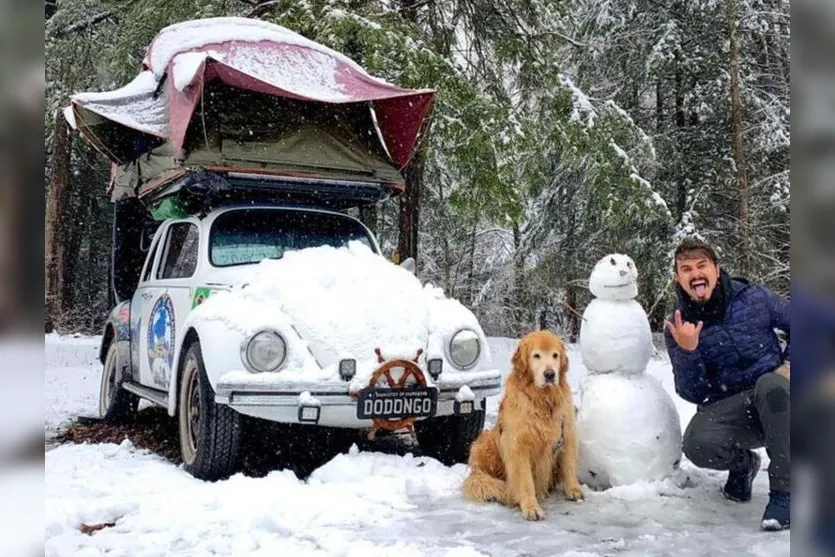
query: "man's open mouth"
699, 286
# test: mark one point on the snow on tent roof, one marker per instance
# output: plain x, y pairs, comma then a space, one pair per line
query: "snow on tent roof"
197, 34
133, 105
248, 54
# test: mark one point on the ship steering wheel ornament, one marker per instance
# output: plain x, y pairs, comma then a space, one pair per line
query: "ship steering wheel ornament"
410, 369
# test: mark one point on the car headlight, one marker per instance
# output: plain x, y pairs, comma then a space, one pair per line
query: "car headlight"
464, 349
264, 351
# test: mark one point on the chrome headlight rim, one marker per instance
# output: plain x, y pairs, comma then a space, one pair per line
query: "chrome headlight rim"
448, 349
247, 343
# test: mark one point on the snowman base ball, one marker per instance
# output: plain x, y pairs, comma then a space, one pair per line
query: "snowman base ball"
628, 429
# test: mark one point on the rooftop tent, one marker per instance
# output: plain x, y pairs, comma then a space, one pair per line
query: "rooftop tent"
246, 96
236, 130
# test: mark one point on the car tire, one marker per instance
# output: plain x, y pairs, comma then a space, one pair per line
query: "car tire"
209, 433
116, 405
448, 438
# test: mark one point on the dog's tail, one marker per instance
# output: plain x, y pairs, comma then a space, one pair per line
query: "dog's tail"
480, 486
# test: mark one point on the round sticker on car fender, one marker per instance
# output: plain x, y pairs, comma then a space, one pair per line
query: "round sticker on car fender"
161, 340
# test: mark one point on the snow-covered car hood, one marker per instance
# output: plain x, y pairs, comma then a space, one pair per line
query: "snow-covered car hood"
342, 303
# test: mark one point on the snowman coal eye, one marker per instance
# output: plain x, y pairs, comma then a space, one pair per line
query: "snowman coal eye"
612, 261
629, 264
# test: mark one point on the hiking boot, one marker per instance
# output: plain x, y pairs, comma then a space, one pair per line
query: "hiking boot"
738, 486
777, 512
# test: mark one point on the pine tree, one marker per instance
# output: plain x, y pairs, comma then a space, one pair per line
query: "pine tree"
561, 132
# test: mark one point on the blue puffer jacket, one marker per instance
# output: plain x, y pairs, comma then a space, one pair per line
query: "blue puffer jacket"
735, 350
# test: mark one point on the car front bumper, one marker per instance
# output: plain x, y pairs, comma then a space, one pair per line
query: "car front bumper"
336, 407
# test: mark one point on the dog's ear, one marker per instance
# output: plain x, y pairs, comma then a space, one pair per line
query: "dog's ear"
520, 357
563, 360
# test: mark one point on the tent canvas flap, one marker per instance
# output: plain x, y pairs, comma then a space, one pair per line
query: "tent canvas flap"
249, 55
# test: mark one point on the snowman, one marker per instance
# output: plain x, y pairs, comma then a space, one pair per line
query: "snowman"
628, 426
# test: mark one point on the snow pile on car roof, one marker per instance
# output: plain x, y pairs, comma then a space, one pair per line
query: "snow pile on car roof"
341, 303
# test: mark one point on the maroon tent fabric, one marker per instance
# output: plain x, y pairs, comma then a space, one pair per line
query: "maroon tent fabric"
400, 112
248, 54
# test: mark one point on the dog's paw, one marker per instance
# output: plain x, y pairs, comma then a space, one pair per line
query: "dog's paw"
574, 493
533, 512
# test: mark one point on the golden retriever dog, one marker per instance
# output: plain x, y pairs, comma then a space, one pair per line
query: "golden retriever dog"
533, 447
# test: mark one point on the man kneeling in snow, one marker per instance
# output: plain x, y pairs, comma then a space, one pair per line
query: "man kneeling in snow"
727, 359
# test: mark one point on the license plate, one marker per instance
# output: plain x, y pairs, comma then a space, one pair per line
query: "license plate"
396, 403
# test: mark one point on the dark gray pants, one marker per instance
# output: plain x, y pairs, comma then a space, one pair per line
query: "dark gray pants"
720, 433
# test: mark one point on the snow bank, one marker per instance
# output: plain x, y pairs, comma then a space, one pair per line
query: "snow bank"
339, 303
73, 377
362, 503
275, 515
359, 504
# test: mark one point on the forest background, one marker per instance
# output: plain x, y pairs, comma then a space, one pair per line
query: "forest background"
563, 130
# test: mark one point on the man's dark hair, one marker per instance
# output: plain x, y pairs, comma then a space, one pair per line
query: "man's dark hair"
690, 248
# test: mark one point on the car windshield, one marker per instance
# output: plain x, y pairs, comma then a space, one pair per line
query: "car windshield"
250, 235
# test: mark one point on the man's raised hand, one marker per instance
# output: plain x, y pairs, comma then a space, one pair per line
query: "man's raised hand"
685, 334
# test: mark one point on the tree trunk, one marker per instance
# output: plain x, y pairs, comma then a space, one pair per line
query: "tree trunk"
471, 290
680, 121
571, 249
445, 247
681, 198
745, 263
407, 241
56, 260
659, 108
573, 315
518, 298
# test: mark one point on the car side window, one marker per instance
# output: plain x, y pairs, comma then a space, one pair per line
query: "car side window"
179, 259
149, 261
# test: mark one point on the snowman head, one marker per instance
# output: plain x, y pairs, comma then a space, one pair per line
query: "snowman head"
615, 277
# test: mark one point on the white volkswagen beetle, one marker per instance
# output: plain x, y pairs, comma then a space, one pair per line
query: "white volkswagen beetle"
290, 314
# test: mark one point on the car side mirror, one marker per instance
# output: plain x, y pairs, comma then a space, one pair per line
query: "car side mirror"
409, 264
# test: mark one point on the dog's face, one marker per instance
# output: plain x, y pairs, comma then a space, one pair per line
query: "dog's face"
541, 355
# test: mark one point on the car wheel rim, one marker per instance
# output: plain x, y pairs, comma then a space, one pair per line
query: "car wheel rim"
109, 385
193, 417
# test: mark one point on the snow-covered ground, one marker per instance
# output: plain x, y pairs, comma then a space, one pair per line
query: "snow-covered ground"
73, 374
362, 503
